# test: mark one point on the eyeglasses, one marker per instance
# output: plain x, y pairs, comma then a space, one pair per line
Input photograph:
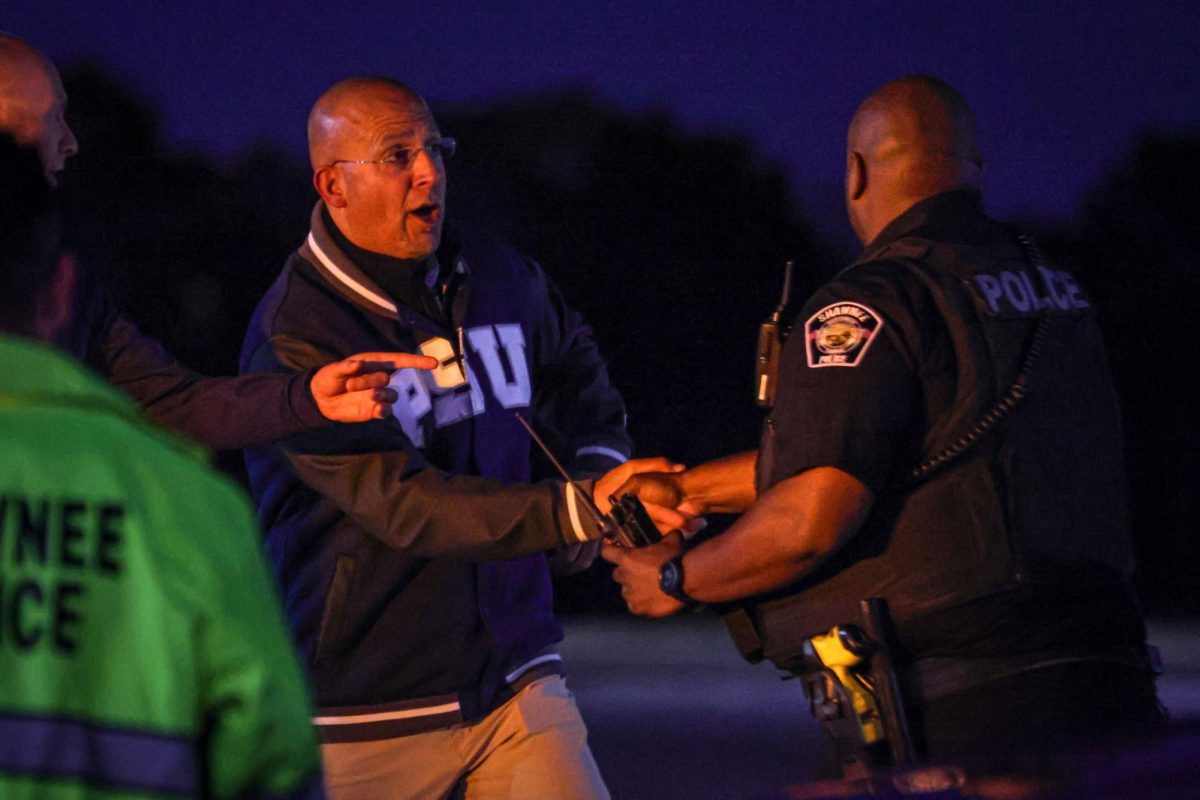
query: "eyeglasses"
404, 157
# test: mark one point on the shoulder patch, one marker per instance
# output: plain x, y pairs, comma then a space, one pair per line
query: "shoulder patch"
839, 334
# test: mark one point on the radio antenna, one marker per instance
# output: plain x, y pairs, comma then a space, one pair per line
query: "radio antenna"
787, 291
579, 491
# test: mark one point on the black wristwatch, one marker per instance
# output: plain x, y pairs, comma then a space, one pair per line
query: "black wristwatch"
670, 581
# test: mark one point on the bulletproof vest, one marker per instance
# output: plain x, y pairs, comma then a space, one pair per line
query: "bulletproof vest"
1040, 498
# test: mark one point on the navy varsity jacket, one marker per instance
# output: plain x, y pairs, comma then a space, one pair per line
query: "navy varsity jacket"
410, 550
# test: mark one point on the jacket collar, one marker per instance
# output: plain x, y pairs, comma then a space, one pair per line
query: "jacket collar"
335, 266
34, 371
322, 251
952, 206
39, 376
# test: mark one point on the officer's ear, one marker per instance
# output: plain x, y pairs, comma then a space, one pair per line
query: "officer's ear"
331, 185
856, 175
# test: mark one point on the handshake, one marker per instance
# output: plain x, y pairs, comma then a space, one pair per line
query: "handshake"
652, 492
643, 512
640, 501
633, 509
623, 518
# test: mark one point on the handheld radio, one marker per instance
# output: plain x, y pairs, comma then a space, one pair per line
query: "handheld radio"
628, 525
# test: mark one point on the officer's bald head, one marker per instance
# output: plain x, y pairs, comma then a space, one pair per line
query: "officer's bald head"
343, 115
910, 139
20, 64
32, 103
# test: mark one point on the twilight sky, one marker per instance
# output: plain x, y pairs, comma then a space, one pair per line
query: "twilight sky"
1060, 89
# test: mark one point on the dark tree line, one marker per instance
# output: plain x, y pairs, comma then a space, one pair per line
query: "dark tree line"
671, 244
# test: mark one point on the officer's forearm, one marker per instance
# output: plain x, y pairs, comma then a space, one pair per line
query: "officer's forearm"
724, 486
792, 528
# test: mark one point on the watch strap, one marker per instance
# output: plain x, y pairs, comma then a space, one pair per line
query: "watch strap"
670, 580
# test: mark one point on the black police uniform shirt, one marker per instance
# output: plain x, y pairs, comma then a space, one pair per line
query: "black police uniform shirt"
868, 370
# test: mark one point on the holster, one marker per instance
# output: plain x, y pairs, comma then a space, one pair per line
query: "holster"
854, 691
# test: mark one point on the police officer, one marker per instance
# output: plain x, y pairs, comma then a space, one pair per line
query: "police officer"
946, 437
142, 648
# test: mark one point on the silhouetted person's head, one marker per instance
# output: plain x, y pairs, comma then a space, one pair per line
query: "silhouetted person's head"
33, 102
910, 139
36, 277
377, 158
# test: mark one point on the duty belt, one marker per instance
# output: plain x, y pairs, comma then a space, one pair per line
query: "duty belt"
929, 679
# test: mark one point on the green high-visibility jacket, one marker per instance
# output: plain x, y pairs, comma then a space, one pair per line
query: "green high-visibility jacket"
143, 651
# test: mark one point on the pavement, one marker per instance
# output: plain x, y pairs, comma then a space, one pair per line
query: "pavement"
674, 712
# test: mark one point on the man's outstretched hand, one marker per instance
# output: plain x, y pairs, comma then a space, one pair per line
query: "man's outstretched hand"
355, 388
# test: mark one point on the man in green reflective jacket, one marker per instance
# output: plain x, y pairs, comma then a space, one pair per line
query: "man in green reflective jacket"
142, 647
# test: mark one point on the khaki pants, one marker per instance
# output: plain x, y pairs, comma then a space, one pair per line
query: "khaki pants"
533, 747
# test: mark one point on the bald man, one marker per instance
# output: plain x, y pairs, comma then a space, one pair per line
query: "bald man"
219, 412
902, 460
411, 550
